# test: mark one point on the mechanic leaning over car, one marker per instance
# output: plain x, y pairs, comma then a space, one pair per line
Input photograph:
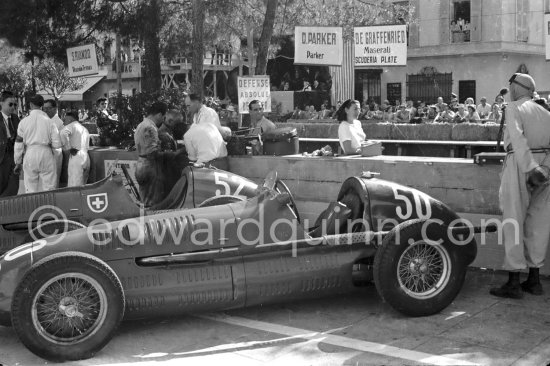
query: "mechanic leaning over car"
525, 190
37, 137
204, 141
76, 139
153, 163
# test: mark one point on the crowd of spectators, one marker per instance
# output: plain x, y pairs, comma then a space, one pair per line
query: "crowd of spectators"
416, 112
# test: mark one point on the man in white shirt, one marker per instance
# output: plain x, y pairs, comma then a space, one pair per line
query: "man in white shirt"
204, 143
37, 135
76, 139
50, 108
483, 109
202, 113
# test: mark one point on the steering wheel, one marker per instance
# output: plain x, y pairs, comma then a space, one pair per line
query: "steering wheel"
292, 204
130, 181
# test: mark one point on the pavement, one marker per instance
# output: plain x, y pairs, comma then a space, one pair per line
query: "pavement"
355, 329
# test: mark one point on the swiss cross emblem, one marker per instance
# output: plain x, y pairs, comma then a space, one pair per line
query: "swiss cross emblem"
98, 202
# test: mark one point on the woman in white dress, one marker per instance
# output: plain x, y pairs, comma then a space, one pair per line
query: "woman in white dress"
350, 132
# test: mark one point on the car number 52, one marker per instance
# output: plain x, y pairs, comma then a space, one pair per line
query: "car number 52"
423, 213
221, 179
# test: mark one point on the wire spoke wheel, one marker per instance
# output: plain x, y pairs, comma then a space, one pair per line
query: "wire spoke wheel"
69, 308
423, 269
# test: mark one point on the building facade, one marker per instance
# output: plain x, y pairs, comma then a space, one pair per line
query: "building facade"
466, 47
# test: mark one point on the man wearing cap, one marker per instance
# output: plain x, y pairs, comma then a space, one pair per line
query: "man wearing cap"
76, 139
483, 109
524, 190
37, 136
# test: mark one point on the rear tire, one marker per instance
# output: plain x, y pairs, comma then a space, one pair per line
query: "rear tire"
67, 307
416, 276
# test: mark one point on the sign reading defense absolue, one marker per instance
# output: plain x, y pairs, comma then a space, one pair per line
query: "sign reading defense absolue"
381, 45
82, 60
253, 88
318, 46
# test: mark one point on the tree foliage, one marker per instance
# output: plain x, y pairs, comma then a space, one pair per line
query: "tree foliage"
46, 28
53, 77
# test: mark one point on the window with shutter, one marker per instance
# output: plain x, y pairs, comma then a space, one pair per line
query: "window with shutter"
522, 25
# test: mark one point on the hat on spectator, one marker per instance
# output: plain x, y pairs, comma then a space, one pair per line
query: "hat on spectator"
37, 100
483, 99
402, 106
453, 95
230, 108
471, 106
461, 105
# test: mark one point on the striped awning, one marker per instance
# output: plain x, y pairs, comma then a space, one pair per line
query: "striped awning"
343, 77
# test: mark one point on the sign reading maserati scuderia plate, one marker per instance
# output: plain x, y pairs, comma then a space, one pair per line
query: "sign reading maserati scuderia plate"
82, 60
318, 46
381, 45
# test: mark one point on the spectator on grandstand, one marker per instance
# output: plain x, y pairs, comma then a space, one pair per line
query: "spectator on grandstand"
473, 116
446, 115
403, 115
483, 109
461, 115
496, 114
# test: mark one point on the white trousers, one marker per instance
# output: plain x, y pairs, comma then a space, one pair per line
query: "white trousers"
525, 217
58, 156
78, 169
39, 167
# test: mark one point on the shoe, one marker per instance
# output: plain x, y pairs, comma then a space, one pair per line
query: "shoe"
508, 291
532, 288
511, 289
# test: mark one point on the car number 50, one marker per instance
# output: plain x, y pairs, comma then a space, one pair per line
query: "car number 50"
409, 210
221, 179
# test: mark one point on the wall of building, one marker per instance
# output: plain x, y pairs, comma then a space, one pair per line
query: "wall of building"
489, 61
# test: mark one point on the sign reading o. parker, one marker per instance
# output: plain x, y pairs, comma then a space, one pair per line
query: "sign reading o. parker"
381, 45
318, 46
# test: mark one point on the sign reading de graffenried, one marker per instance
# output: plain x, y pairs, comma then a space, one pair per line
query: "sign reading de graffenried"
381, 45
82, 60
318, 46
253, 88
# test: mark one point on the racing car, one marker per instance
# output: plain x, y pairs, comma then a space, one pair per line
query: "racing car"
28, 217
66, 294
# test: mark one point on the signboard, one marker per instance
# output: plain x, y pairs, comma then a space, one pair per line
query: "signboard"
318, 46
394, 92
546, 29
82, 60
253, 88
381, 45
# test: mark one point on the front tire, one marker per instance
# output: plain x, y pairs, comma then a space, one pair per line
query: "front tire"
67, 307
414, 274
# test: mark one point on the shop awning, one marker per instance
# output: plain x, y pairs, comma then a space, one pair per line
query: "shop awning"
75, 95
